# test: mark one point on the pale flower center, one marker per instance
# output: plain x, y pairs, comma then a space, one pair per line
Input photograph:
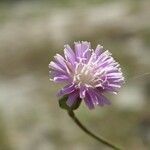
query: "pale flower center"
87, 75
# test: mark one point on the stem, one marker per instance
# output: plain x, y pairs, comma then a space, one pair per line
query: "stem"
100, 139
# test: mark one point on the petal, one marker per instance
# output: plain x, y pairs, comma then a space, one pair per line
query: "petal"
107, 62
59, 59
62, 78
110, 89
114, 85
79, 67
103, 100
78, 49
55, 66
65, 65
114, 75
103, 57
98, 98
93, 97
85, 46
88, 101
82, 50
111, 69
87, 54
72, 98
69, 54
56, 73
98, 50
82, 92
66, 90
116, 81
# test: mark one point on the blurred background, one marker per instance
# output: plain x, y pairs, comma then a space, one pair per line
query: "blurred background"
31, 32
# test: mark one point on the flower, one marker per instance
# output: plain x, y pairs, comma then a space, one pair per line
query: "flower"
87, 74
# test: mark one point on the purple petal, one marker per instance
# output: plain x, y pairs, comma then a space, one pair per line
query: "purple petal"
114, 85
88, 101
72, 98
66, 90
107, 62
59, 59
103, 100
56, 73
85, 46
98, 98
82, 92
78, 49
87, 54
98, 50
116, 81
111, 90
60, 65
55, 66
103, 57
61, 78
93, 96
69, 54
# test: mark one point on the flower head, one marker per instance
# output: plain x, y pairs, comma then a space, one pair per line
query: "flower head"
87, 73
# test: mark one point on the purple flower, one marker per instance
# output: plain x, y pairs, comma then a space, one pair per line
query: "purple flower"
87, 73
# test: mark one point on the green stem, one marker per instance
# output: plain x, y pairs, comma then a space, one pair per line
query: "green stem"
100, 139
